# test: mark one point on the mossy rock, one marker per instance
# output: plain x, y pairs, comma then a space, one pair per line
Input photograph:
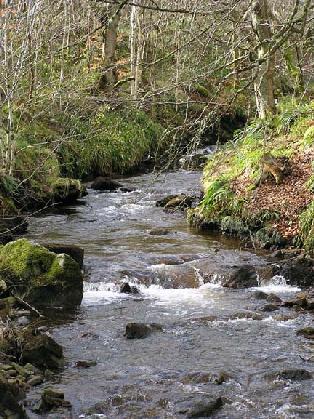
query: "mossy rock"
39, 276
65, 190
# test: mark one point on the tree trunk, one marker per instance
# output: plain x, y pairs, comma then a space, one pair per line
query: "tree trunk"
264, 80
109, 74
135, 51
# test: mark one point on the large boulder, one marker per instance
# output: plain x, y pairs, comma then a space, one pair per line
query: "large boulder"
66, 191
298, 271
39, 276
244, 276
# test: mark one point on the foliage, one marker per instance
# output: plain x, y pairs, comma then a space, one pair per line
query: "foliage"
110, 142
220, 200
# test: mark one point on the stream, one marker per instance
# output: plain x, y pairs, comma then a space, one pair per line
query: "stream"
206, 335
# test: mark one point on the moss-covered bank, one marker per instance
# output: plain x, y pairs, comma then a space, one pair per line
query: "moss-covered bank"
260, 186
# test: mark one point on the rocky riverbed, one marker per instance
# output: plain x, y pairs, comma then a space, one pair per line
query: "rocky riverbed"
172, 323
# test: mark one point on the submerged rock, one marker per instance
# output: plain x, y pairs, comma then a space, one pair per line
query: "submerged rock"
270, 307
140, 330
126, 288
164, 201
260, 295
244, 276
203, 408
159, 232
273, 298
39, 276
291, 374
105, 184
205, 378
85, 364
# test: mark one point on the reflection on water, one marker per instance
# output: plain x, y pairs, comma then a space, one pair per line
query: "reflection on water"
206, 329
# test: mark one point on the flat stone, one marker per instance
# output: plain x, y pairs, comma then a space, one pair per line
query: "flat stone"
85, 364
204, 409
137, 330
293, 375
141, 330
270, 307
105, 184
260, 295
159, 232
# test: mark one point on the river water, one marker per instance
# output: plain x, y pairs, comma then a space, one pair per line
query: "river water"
207, 330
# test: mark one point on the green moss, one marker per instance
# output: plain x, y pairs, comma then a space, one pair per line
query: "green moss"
36, 166
67, 190
201, 90
24, 260
108, 142
309, 136
310, 184
7, 207
307, 227
40, 276
62, 269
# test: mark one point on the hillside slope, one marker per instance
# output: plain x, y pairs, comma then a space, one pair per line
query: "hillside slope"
261, 185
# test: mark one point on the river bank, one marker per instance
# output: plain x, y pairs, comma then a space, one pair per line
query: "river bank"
259, 187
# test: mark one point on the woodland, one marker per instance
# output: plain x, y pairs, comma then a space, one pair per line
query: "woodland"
99, 101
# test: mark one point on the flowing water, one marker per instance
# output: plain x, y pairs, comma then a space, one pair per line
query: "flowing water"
207, 330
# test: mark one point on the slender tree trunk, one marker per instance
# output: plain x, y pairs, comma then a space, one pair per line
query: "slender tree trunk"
110, 36
264, 82
134, 50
